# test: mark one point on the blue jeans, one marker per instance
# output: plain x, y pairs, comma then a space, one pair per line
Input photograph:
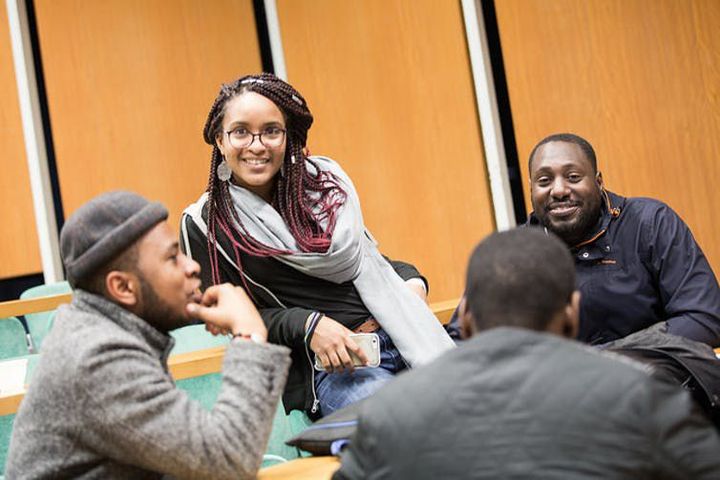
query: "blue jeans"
337, 390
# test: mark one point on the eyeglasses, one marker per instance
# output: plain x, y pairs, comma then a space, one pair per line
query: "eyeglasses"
242, 138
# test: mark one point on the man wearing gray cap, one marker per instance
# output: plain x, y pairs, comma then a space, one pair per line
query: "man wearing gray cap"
102, 403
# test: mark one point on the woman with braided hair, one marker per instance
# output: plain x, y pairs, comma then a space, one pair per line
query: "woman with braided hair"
288, 228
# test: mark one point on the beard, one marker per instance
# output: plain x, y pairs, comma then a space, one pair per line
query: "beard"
156, 311
577, 228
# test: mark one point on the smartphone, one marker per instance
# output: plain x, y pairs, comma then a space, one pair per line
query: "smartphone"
369, 343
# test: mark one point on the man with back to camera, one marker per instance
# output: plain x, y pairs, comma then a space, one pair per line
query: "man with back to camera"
637, 262
519, 401
102, 403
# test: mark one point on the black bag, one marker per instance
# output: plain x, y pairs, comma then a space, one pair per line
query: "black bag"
329, 435
693, 365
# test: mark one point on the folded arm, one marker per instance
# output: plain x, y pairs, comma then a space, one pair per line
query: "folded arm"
140, 418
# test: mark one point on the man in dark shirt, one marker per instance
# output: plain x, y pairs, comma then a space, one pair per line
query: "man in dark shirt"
517, 400
637, 262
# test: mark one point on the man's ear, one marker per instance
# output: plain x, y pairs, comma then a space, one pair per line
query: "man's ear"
123, 288
466, 320
599, 180
572, 316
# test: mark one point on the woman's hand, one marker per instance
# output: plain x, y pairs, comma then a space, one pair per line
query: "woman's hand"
227, 309
332, 343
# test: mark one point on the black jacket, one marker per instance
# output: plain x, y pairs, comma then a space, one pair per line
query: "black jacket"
517, 404
640, 266
690, 364
285, 298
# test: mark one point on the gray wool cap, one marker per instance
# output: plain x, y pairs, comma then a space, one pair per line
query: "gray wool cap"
104, 227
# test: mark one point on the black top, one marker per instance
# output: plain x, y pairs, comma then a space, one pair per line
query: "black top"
640, 266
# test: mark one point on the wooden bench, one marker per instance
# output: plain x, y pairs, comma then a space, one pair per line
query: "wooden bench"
16, 308
312, 468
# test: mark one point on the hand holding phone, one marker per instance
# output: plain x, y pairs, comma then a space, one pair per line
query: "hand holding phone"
369, 343
332, 344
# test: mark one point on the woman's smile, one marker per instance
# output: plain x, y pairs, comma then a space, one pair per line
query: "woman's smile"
256, 161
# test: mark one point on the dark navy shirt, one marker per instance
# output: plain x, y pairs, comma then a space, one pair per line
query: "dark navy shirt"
641, 266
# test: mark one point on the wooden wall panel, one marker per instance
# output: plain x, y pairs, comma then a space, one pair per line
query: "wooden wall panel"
129, 85
390, 86
19, 250
640, 79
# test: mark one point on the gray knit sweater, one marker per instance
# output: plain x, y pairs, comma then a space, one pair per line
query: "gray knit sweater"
103, 405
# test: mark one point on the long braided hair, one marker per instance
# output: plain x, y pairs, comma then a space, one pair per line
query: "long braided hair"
307, 203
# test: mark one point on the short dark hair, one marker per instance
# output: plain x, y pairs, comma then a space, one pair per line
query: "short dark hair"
567, 138
125, 261
519, 278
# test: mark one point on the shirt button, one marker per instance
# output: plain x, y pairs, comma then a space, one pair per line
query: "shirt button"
607, 248
585, 255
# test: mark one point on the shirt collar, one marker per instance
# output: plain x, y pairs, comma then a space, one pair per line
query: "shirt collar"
610, 208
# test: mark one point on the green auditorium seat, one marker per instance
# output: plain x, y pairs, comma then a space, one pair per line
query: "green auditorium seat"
195, 337
39, 324
6, 423
12, 338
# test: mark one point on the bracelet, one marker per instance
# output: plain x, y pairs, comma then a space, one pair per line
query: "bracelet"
314, 319
252, 337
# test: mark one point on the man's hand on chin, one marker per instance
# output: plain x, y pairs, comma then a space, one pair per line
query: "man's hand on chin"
226, 309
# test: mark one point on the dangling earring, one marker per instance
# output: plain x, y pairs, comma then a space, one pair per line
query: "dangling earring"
223, 171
